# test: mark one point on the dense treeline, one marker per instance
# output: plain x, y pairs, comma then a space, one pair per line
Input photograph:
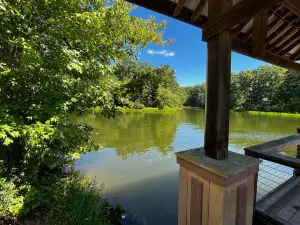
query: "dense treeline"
268, 88
143, 85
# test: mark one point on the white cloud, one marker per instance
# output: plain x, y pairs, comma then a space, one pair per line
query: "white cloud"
170, 54
162, 52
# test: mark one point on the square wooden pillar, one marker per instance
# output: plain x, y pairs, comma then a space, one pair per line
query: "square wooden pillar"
217, 86
216, 192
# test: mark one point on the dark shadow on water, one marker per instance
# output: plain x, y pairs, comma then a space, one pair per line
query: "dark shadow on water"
149, 202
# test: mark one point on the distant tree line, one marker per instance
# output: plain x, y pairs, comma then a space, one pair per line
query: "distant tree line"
268, 88
143, 85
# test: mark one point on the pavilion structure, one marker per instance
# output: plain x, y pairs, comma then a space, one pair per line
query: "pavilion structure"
217, 186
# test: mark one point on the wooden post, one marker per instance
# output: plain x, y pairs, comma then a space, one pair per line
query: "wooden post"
216, 192
296, 171
217, 87
259, 30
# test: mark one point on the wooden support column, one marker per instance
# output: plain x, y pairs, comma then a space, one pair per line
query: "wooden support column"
217, 87
260, 24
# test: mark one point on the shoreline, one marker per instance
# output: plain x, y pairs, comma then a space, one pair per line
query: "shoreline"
172, 110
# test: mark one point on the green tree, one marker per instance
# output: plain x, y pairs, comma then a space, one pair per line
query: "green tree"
141, 83
55, 59
195, 96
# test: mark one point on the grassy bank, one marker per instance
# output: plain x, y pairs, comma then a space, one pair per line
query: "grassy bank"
149, 110
273, 114
61, 200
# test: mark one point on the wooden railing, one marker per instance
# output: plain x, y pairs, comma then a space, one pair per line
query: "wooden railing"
270, 151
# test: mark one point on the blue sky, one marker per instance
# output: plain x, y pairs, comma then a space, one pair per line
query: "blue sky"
187, 55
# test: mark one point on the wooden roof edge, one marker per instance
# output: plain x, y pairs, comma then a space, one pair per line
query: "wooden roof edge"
186, 15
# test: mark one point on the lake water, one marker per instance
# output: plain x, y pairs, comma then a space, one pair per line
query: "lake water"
138, 163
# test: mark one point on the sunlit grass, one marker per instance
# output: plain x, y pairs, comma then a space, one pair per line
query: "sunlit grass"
273, 114
149, 110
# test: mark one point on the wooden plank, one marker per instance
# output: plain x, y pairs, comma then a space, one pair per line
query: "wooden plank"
183, 193
241, 205
179, 6
277, 145
251, 198
239, 28
296, 56
295, 220
278, 24
198, 10
245, 48
284, 40
289, 210
236, 14
280, 159
287, 27
290, 45
278, 193
216, 200
217, 88
260, 24
285, 199
196, 201
294, 6
205, 206
167, 8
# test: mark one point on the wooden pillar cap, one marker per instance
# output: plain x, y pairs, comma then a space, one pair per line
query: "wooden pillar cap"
223, 172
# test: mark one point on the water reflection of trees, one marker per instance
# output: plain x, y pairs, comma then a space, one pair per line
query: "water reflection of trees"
135, 132
247, 129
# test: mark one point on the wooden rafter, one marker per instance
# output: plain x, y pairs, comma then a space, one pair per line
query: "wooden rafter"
239, 28
236, 14
279, 22
167, 8
179, 7
245, 48
260, 24
198, 10
294, 6
290, 45
286, 28
248, 34
296, 56
284, 39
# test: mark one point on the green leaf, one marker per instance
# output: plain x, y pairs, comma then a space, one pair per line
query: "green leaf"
7, 141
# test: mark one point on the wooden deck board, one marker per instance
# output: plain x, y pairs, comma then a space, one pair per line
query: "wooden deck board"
283, 204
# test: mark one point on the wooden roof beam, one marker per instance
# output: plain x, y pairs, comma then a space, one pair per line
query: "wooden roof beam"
284, 40
296, 56
260, 25
167, 8
245, 48
282, 32
278, 24
294, 6
198, 10
236, 14
290, 45
179, 7
239, 28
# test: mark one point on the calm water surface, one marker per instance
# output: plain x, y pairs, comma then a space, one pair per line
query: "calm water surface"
138, 163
